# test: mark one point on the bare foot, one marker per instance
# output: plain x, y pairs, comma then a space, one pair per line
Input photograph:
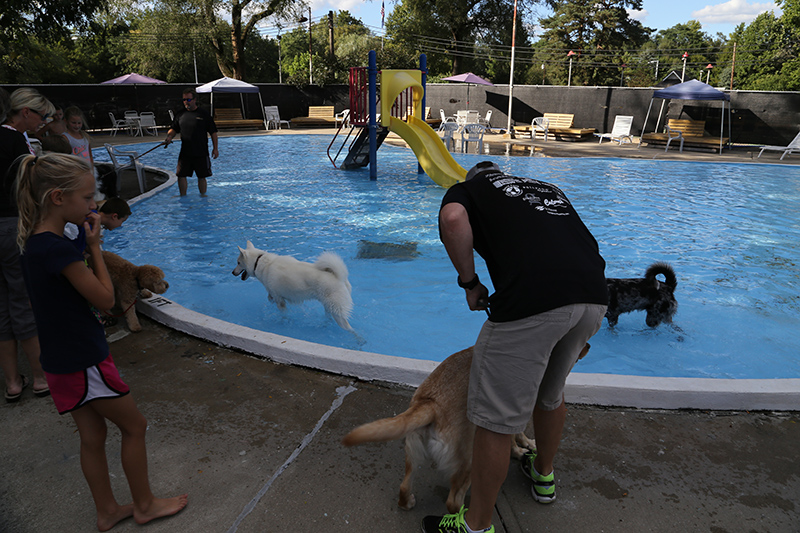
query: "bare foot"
161, 507
104, 523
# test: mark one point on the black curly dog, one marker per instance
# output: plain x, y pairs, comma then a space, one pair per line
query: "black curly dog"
644, 294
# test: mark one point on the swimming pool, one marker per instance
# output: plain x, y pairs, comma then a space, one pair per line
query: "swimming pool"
730, 231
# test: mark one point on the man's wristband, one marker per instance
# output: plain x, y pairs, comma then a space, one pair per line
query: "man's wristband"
470, 284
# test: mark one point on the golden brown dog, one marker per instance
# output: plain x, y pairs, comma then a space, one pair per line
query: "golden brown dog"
435, 425
131, 281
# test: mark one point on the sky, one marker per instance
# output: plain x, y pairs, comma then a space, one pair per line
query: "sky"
714, 15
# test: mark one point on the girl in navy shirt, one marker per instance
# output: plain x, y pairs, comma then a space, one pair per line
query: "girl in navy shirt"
52, 190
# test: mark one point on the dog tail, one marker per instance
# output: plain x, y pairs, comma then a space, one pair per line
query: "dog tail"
664, 269
418, 415
332, 263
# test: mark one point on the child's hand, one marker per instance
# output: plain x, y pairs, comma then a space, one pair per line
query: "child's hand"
92, 227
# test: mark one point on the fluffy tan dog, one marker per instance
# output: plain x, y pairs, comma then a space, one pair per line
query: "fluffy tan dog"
435, 425
131, 281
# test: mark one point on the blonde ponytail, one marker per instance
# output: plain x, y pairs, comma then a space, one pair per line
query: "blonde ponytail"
37, 177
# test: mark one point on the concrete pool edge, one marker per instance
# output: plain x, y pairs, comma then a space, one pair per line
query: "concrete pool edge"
592, 389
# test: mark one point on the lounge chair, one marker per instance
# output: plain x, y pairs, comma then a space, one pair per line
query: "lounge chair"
620, 131
540, 124
472, 133
793, 146
119, 166
685, 131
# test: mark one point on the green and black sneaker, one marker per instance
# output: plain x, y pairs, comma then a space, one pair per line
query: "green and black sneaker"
544, 487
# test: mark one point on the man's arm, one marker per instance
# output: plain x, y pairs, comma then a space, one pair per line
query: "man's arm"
215, 146
456, 234
170, 135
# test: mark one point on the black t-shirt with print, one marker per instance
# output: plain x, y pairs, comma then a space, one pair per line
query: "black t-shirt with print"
538, 251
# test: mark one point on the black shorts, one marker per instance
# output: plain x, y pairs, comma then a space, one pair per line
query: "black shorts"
199, 165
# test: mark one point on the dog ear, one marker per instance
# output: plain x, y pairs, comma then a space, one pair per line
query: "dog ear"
250, 245
240, 249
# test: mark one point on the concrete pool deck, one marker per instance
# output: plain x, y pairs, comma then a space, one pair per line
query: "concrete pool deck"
256, 445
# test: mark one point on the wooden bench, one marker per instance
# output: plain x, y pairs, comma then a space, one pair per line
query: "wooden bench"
232, 118
560, 127
318, 115
690, 132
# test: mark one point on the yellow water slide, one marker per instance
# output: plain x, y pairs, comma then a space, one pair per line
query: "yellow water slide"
431, 152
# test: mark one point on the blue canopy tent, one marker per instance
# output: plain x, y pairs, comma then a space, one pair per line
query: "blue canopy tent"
693, 90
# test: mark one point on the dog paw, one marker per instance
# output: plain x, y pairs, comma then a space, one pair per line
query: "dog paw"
144, 293
408, 502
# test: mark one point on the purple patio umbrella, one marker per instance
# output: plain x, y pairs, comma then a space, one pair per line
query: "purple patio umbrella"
468, 78
132, 78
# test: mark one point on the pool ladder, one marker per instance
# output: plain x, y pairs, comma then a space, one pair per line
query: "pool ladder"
357, 147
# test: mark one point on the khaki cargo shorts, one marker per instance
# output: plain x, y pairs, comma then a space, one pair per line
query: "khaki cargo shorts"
524, 363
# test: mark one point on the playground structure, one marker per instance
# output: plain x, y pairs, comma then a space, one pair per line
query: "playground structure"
402, 111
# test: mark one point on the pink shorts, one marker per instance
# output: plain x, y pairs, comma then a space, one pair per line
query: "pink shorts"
71, 391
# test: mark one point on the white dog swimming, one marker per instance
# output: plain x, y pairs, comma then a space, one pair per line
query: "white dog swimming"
289, 280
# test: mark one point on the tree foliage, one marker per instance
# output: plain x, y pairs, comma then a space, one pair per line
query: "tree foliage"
86, 41
454, 33
598, 33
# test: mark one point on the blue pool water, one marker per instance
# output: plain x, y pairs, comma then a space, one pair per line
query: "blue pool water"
730, 231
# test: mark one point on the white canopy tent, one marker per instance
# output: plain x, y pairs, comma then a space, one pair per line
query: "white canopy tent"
692, 90
230, 85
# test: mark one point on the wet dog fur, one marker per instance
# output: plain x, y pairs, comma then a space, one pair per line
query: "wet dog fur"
435, 426
648, 294
289, 280
131, 281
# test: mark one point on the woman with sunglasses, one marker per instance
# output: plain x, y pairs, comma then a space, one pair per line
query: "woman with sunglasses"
25, 111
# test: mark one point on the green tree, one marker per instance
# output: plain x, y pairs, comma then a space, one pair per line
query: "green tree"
459, 35
765, 50
599, 33
701, 49
34, 34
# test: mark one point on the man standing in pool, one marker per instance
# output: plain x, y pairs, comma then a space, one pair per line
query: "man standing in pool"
194, 124
550, 298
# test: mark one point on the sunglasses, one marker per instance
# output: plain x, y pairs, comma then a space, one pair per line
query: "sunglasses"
188, 99
43, 117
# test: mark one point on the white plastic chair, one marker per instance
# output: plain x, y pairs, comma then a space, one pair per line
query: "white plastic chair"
445, 119
793, 146
449, 129
274, 117
147, 123
472, 133
134, 165
467, 117
134, 125
671, 136
486, 121
343, 118
620, 131
117, 123
540, 124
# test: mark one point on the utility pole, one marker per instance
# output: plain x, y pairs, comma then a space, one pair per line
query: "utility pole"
330, 34
511, 76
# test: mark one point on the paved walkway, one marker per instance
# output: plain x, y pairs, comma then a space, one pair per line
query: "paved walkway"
256, 446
